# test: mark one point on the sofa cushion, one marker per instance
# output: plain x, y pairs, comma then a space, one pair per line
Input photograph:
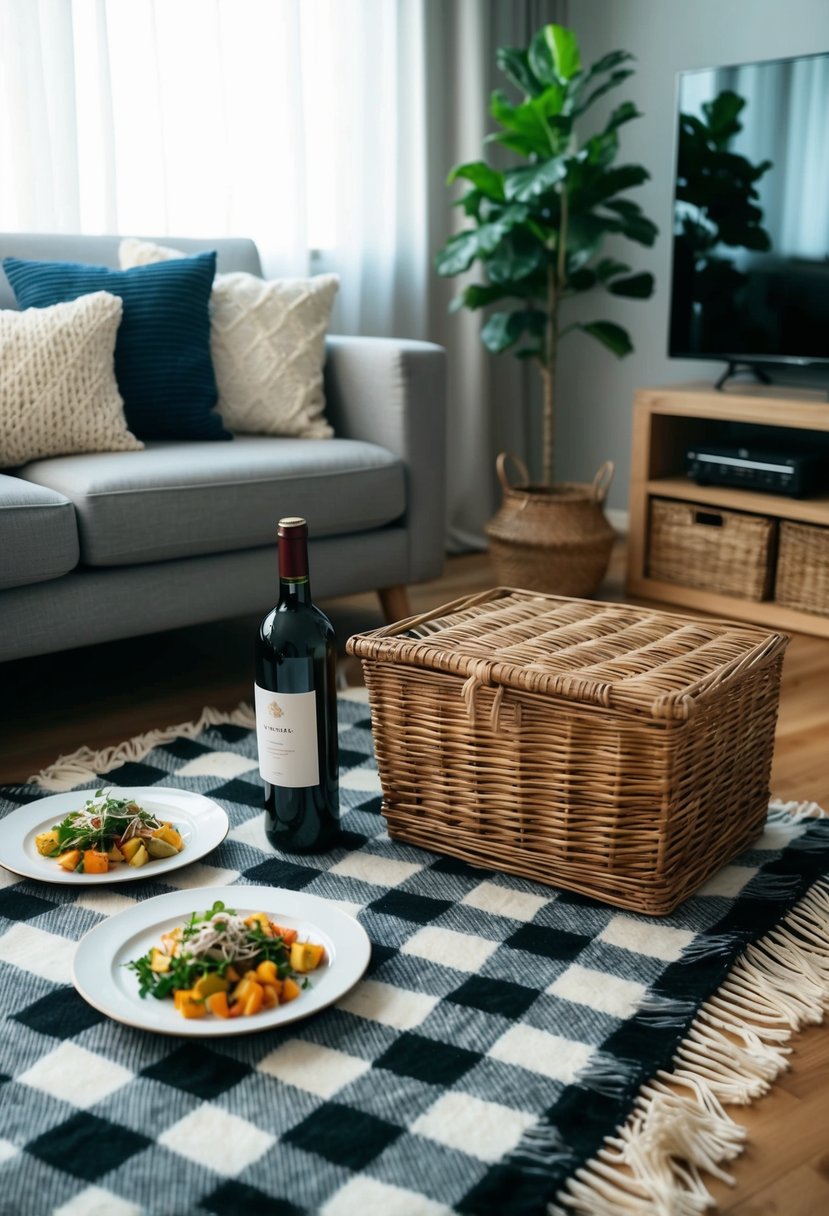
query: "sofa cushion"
38, 533
268, 344
183, 499
57, 384
162, 354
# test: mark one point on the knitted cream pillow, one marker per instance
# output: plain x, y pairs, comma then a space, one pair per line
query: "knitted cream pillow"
58, 392
267, 339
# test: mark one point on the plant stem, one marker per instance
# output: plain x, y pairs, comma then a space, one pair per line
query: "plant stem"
556, 275
548, 380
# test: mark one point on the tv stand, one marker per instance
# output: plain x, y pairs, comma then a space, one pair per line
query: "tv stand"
733, 368
666, 422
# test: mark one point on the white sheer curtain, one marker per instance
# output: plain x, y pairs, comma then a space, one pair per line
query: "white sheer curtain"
324, 129
180, 117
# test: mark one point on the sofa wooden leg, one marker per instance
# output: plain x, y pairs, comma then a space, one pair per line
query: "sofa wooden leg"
395, 603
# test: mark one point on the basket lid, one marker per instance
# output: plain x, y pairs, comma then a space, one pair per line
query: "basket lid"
619, 656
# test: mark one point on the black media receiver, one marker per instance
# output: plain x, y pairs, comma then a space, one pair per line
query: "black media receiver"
770, 471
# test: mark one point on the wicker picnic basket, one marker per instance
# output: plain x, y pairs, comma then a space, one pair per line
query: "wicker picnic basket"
803, 568
701, 546
611, 750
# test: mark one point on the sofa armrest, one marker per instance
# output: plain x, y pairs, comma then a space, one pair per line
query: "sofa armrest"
392, 391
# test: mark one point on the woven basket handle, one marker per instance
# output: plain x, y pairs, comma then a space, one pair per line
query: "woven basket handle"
602, 480
501, 468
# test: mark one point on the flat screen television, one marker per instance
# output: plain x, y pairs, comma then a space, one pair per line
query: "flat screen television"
750, 265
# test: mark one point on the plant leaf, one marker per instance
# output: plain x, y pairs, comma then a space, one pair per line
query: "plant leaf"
554, 54
633, 225
610, 335
613, 80
623, 177
622, 114
514, 259
606, 64
624, 206
457, 254
461, 250
635, 287
601, 149
582, 280
515, 63
503, 329
516, 143
525, 185
471, 203
489, 181
608, 267
524, 121
584, 236
479, 295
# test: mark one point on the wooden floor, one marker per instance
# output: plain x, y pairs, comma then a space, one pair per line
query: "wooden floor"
99, 696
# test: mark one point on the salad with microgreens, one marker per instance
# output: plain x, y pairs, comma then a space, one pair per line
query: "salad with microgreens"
108, 831
226, 964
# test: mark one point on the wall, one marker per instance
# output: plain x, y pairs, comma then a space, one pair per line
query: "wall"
595, 389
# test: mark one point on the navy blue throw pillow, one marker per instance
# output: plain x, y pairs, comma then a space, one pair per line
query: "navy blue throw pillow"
162, 352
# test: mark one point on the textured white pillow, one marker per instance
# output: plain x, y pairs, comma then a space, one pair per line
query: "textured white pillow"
267, 339
58, 392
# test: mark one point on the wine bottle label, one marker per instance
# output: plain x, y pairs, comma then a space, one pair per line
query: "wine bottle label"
286, 735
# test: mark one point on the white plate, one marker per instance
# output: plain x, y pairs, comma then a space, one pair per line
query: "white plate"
201, 821
101, 977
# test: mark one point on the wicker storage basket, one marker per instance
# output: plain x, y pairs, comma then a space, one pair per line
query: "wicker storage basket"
700, 546
803, 568
555, 539
618, 752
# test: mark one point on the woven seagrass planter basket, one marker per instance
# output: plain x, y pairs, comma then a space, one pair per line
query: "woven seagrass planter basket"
607, 749
551, 538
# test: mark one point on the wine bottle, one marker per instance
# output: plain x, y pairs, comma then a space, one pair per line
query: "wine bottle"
296, 707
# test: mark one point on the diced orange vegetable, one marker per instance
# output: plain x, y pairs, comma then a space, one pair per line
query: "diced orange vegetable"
270, 997
95, 862
266, 971
140, 857
258, 920
46, 842
187, 1004
168, 832
70, 859
290, 991
232, 975
217, 1004
159, 961
305, 956
130, 847
254, 1000
243, 989
192, 1009
236, 1009
288, 935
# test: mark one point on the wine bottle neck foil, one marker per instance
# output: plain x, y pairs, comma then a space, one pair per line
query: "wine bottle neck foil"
292, 542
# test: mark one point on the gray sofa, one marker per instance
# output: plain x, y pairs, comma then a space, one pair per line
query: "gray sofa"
114, 544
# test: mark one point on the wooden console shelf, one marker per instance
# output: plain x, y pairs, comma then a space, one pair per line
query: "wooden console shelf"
666, 421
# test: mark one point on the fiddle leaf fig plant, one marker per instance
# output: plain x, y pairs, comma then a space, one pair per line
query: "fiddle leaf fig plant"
537, 229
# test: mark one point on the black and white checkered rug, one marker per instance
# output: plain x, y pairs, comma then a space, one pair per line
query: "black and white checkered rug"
502, 1031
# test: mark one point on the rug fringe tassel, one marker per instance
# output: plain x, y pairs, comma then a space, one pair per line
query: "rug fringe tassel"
735, 1049
84, 765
